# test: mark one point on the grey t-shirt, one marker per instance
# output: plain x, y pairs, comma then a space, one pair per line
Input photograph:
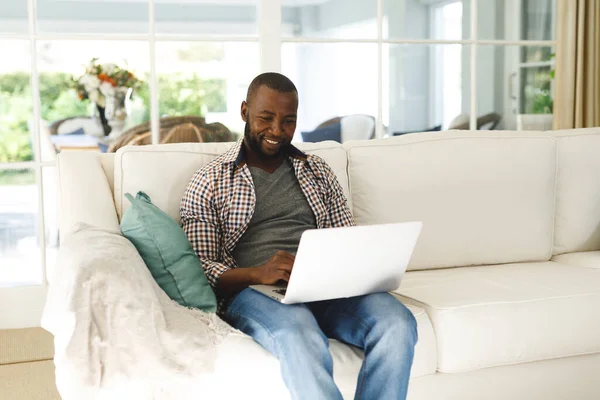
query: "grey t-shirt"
281, 214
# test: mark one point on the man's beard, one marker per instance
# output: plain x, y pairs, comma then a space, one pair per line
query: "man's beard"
254, 144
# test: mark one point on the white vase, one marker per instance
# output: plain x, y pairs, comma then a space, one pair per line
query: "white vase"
117, 111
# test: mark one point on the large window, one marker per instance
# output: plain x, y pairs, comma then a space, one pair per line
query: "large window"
385, 67
417, 65
206, 79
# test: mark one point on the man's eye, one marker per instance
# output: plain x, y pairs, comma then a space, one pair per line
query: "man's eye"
264, 118
290, 121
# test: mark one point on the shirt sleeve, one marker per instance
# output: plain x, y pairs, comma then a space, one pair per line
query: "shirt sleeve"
199, 219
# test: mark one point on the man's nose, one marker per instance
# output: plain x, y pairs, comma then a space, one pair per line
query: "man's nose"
276, 128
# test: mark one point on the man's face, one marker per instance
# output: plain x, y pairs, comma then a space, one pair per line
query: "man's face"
270, 121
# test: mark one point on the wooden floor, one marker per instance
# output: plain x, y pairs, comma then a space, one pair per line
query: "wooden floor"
26, 366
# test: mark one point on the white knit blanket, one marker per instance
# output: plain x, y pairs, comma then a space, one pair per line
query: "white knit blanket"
117, 334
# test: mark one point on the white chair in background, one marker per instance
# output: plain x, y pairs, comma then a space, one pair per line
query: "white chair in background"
69, 125
357, 127
353, 127
486, 122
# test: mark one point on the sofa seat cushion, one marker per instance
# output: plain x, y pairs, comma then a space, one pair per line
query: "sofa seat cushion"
494, 315
257, 372
587, 259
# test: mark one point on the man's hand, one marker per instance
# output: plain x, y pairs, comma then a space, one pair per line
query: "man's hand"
278, 268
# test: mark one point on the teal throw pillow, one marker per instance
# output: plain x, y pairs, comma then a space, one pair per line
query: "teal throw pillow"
167, 252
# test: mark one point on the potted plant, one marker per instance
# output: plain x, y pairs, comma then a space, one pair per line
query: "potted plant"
109, 87
539, 102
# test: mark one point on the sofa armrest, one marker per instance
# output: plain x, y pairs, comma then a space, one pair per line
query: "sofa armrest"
85, 193
114, 328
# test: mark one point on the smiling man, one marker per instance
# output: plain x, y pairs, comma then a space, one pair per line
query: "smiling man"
244, 214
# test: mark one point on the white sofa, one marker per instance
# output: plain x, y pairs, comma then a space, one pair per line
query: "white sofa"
504, 282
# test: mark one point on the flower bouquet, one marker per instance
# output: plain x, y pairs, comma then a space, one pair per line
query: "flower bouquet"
108, 86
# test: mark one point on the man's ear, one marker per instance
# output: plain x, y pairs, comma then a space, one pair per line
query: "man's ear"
244, 111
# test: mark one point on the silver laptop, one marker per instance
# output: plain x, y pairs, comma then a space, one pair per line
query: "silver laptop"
345, 262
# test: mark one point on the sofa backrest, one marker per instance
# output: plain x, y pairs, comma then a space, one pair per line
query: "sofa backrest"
483, 197
164, 171
577, 226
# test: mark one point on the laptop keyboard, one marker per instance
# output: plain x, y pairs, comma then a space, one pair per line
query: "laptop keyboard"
280, 291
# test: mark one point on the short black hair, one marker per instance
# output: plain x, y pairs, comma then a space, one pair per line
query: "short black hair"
272, 80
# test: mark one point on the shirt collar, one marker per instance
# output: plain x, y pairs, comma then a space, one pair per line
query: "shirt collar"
237, 154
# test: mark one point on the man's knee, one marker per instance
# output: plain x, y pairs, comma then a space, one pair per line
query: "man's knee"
301, 334
399, 324
390, 320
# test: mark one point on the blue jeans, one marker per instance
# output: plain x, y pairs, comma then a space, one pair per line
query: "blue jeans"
297, 335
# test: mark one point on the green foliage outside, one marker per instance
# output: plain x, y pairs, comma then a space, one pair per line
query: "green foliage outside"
58, 101
539, 93
14, 113
183, 94
179, 94
17, 177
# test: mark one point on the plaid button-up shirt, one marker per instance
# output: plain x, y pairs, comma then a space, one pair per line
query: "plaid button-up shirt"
219, 203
